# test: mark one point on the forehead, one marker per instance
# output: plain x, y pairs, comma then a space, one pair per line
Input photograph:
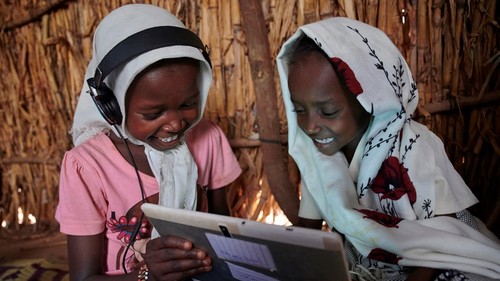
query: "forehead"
171, 65
165, 80
312, 77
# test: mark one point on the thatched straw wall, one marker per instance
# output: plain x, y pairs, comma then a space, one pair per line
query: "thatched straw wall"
451, 46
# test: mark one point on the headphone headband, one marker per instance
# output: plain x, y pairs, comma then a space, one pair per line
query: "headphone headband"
144, 41
132, 46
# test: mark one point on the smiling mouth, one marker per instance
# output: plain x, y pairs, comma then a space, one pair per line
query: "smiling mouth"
169, 139
325, 141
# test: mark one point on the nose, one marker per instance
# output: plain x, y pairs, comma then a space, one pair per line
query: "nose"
309, 124
173, 123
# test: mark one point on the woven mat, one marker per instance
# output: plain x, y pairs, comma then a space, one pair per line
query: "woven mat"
34, 269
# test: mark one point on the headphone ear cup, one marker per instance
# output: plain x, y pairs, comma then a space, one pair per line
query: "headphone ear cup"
108, 105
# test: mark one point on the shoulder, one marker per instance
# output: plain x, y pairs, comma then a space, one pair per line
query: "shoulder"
98, 142
97, 149
217, 164
427, 136
205, 134
205, 129
98, 162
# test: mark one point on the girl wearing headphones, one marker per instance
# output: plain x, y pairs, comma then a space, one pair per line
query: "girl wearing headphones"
139, 137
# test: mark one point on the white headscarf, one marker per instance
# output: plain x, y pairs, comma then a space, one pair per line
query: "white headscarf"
175, 169
389, 214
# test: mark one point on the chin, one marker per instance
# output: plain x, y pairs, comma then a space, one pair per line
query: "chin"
327, 152
164, 146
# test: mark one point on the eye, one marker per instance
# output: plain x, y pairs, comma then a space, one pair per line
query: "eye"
298, 109
191, 103
329, 113
151, 116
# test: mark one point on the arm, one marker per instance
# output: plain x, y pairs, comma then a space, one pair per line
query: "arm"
174, 258
426, 273
217, 201
217, 165
418, 274
86, 259
423, 274
310, 223
168, 258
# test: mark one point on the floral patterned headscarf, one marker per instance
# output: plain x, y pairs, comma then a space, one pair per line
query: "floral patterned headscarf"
387, 200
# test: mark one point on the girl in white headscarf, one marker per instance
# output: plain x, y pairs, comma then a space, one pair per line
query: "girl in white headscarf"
151, 145
368, 169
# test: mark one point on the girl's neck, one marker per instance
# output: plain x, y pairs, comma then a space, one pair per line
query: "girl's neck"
137, 152
351, 147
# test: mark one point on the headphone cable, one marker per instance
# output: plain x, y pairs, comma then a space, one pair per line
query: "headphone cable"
143, 197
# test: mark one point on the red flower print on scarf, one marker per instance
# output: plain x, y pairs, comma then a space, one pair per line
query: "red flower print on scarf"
383, 256
393, 181
383, 219
347, 75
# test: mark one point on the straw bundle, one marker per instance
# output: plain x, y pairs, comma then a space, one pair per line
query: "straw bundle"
451, 47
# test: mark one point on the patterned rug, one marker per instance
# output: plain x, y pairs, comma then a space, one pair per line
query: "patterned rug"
34, 269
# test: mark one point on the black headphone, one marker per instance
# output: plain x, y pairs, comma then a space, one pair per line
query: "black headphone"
132, 46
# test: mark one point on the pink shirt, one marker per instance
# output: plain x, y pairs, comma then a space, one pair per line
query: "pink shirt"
99, 189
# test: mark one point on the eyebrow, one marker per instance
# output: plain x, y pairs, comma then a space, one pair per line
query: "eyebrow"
322, 102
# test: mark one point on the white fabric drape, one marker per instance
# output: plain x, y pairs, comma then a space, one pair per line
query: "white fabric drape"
405, 178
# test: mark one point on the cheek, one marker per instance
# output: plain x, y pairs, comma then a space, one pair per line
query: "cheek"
351, 130
301, 122
347, 125
137, 127
191, 115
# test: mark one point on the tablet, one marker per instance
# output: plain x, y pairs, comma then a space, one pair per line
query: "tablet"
243, 249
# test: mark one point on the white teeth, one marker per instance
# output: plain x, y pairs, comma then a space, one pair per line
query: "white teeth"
169, 139
324, 141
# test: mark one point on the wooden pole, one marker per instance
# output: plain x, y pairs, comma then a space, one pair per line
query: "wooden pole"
274, 158
31, 15
456, 103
